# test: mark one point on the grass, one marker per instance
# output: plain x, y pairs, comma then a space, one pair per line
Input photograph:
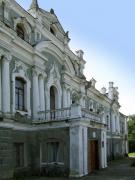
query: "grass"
131, 154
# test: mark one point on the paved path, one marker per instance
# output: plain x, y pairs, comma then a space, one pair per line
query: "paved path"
117, 170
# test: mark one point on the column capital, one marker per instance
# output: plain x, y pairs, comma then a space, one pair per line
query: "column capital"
35, 72
43, 74
65, 86
5, 55
1, 53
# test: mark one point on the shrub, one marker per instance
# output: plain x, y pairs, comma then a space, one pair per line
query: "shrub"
133, 163
54, 170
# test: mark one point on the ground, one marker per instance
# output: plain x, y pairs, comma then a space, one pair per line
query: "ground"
117, 170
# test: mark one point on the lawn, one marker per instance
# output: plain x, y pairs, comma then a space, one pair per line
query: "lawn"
131, 154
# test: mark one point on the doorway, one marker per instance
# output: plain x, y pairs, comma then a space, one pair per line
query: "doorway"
93, 155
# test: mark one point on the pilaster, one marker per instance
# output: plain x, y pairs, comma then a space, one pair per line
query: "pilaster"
6, 83
64, 96
103, 149
41, 94
78, 151
35, 94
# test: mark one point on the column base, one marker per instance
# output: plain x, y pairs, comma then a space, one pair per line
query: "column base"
75, 175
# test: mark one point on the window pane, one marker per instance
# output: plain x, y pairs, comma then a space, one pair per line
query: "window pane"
16, 101
19, 94
52, 151
20, 31
19, 154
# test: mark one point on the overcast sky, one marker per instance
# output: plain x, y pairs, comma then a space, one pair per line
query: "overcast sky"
105, 31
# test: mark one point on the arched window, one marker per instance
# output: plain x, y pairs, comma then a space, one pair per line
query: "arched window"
54, 103
75, 98
91, 105
20, 31
19, 94
52, 30
52, 98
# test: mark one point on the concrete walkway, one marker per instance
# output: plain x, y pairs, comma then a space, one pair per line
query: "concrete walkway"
117, 170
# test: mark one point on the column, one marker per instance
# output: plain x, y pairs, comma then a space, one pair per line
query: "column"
103, 149
118, 120
113, 123
64, 97
41, 94
41, 97
68, 99
35, 95
78, 151
47, 97
6, 84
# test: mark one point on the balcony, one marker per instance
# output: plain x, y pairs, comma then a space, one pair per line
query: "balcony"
70, 113
91, 115
54, 115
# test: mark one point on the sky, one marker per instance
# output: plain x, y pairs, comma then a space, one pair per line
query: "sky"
105, 31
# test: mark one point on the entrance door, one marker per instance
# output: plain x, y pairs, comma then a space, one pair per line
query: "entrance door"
93, 155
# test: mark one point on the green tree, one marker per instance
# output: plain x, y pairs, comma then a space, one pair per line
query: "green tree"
131, 127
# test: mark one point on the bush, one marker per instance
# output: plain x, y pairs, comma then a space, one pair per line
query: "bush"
54, 170
21, 173
133, 163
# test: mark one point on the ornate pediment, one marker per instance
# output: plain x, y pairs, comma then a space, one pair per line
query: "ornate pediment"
22, 69
24, 22
54, 72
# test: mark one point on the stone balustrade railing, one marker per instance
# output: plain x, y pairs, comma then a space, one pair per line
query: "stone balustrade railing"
91, 115
73, 112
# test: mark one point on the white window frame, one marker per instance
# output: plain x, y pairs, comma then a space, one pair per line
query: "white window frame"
26, 93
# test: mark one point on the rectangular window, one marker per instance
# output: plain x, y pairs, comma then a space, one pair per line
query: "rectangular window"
19, 94
19, 154
52, 151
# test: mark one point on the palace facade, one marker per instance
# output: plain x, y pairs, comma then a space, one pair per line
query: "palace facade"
52, 120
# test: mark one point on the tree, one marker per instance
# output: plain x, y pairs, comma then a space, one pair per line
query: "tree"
131, 133
131, 127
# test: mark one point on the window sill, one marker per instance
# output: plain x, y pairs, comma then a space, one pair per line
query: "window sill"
23, 113
52, 163
20, 168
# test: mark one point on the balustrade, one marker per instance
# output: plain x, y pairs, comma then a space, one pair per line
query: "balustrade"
73, 112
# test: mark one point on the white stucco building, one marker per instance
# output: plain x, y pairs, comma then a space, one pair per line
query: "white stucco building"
52, 120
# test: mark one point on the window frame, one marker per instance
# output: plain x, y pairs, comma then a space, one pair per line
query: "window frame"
54, 145
20, 31
108, 122
19, 148
20, 94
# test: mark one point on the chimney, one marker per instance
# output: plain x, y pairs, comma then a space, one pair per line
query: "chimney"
103, 90
111, 91
111, 84
93, 82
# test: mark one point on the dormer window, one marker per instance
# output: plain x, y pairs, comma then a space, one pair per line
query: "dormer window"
20, 31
